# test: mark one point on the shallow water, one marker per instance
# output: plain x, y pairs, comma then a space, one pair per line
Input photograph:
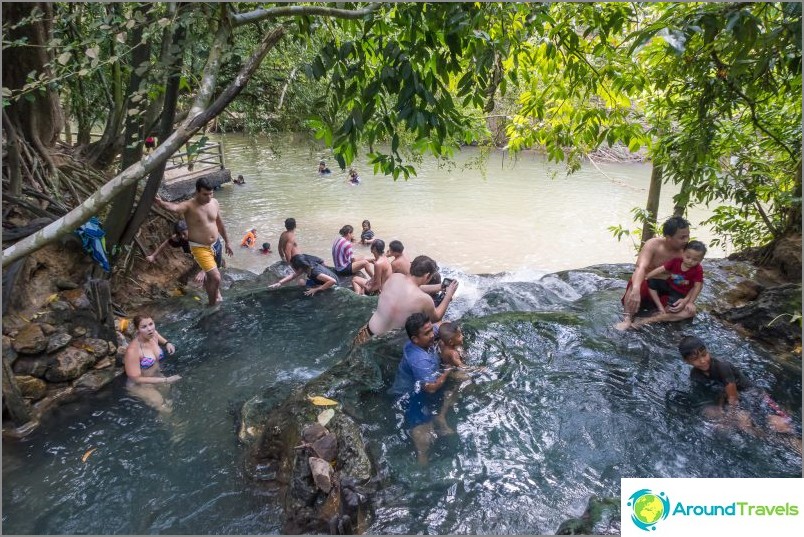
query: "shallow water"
565, 409
476, 215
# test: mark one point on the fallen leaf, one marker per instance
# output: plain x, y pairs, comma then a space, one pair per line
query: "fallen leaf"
322, 401
195, 297
87, 454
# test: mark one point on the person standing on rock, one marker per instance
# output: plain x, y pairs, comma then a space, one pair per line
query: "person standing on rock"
654, 253
143, 364
203, 216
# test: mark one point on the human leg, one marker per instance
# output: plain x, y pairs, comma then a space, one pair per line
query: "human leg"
361, 264
212, 284
151, 396
422, 436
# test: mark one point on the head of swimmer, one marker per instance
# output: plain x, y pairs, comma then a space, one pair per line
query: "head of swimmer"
203, 191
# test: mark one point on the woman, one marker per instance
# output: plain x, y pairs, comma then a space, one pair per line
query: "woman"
319, 277
142, 363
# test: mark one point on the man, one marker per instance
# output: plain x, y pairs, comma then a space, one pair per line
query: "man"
401, 297
205, 229
400, 263
654, 253
419, 384
288, 247
343, 257
382, 271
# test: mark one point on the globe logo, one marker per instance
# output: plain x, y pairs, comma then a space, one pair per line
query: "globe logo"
648, 508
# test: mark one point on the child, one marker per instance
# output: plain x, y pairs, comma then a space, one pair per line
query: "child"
249, 239
367, 237
322, 168
675, 285
266, 248
739, 393
353, 177
450, 345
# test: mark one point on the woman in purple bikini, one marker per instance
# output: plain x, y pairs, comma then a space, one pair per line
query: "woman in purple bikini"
142, 364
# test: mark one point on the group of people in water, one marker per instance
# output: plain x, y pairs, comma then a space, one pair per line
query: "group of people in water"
667, 279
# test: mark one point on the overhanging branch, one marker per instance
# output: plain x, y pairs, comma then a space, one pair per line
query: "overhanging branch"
293, 11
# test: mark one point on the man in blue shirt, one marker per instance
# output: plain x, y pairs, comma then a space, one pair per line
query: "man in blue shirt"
419, 384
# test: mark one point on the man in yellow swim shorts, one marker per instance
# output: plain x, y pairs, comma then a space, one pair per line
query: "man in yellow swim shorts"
203, 216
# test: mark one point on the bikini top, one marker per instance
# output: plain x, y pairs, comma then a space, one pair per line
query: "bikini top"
146, 362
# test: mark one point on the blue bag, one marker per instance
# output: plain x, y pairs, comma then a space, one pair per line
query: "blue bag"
93, 238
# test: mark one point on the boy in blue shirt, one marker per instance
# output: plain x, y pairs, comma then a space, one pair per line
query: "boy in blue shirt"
419, 384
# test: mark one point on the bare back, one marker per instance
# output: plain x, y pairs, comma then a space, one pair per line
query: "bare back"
382, 271
401, 265
201, 220
288, 246
400, 298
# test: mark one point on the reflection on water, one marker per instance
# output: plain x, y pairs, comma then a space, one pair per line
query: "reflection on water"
508, 215
564, 409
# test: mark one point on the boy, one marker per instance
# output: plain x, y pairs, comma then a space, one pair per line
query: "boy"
382, 271
738, 390
675, 285
367, 237
249, 239
266, 248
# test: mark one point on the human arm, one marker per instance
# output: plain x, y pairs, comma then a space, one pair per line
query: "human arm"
161, 340
687, 301
222, 231
732, 397
170, 206
152, 258
633, 299
286, 279
659, 273
327, 282
438, 312
134, 371
432, 387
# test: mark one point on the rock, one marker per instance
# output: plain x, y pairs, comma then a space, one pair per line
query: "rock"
31, 387
601, 517
103, 363
322, 473
30, 340
12, 324
744, 291
326, 447
60, 305
69, 364
325, 416
9, 354
65, 285
111, 348
47, 329
77, 299
58, 341
79, 331
120, 356
98, 347
95, 380
53, 398
353, 460
787, 256
771, 317
313, 432
35, 366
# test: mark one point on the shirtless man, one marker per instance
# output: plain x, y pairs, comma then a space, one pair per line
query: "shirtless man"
382, 271
401, 297
400, 263
655, 253
203, 216
288, 247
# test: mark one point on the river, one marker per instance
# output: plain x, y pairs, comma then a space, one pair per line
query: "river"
565, 407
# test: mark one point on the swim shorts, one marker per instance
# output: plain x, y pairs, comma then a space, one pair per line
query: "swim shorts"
208, 257
363, 335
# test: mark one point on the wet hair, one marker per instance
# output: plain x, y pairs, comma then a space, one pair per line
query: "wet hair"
203, 183
423, 265
378, 246
345, 230
266, 246
366, 223
138, 319
447, 331
435, 278
322, 163
396, 246
689, 346
673, 224
240, 177
290, 224
179, 226
300, 261
698, 246
415, 323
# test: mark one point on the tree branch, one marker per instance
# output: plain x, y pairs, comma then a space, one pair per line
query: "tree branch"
199, 116
293, 11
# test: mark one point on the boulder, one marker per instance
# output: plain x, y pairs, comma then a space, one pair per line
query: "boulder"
12, 324
322, 473
65, 285
47, 328
77, 299
69, 364
58, 341
326, 447
60, 305
787, 256
95, 380
772, 317
98, 347
30, 340
35, 366
31, 387
79, 331
9, 354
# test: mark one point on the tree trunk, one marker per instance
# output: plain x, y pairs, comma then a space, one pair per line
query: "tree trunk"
37, 116
681, 199
132, 146
18, 408
652, 206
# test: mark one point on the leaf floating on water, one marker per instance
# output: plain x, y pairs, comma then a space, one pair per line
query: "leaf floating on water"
322, 401
87, 454
325, 416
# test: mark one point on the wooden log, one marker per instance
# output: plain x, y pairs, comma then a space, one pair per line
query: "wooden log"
17, 406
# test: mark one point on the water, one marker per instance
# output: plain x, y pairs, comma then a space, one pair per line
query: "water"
566, 407
502, 215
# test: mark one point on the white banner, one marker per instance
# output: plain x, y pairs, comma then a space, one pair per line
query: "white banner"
696, 506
